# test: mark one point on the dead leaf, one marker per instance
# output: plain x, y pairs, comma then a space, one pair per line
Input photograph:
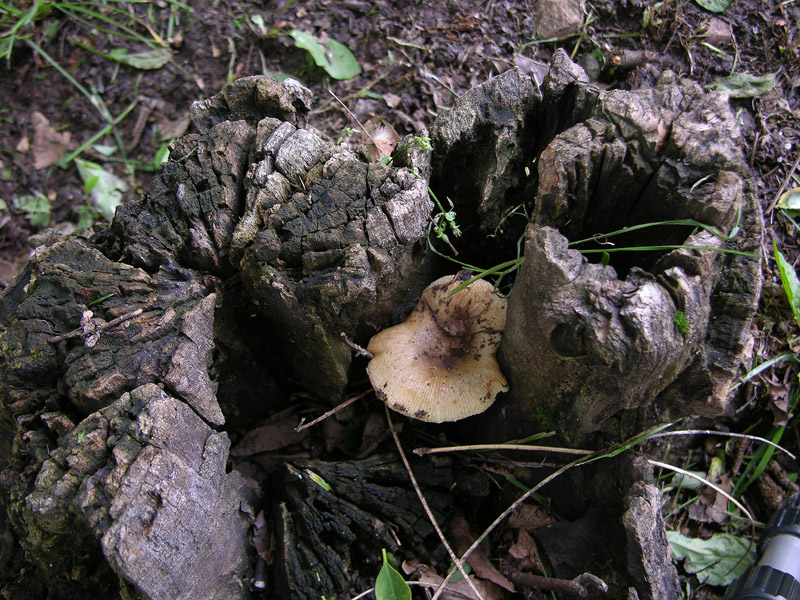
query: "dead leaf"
380, 138
779, 393
269, 438
524, 551
529, 517
375, 431
480, 563
460, 589
23, 145
172, 128
712, 507
48, 145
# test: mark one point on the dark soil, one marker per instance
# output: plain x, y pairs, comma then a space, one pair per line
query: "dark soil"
416, 58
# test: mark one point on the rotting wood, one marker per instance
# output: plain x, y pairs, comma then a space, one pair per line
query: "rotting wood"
260, 243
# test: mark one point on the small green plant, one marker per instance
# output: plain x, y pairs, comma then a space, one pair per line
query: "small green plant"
791, 285
104, 189
389, 584
681, 322
444, 221
36, 207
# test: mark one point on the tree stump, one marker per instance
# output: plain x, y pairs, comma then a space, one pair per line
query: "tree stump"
125, 352
654, 335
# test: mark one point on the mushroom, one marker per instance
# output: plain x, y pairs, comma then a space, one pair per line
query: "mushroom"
439, 365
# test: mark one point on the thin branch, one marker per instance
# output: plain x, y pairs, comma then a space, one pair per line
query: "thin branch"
754, 438
353, 346
79, 332
458, 562
572, 587
352, 116
490, 447
331, 412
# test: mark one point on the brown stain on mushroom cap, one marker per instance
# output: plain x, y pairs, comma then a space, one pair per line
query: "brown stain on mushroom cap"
439, 365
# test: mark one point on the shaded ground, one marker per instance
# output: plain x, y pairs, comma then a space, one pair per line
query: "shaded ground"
415, 61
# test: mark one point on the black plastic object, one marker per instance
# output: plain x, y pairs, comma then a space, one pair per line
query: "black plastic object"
777, 574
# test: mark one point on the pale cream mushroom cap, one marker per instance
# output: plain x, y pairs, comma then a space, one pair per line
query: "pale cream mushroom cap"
439, 365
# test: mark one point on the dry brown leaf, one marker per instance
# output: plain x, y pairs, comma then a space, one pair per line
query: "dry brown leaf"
172, 128
480, 563
48, 145
269, 438
461, 589
524, 551
379, 138
529, 517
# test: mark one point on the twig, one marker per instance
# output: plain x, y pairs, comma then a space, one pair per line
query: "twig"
572, 587
784, 185
79, 332
331, 412
352, 116
358, 349
458, 562
485, 447
754, 438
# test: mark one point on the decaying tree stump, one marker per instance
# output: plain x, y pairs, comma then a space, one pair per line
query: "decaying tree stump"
125, 352
656, 335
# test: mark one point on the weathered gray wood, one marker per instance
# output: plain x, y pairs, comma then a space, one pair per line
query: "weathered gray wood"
585, 343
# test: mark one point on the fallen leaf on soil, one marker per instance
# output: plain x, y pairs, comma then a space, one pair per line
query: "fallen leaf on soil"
375, 430
463, 539
524, 550
269, 438
380, 138
23, 145
529, 517
104, 188
146, 61
48, 145
715, 561
712, 506
744, 85
460, 589
172, 128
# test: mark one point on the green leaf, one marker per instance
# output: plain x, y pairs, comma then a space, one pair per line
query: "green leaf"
343, 65
335, 58
146, 61
744, 85
790, 201
36, 208
717, 6
107, 193
390, 585
162, 155
86, 216
715, 561
309, 43
789, 280
319, 480
90, 183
